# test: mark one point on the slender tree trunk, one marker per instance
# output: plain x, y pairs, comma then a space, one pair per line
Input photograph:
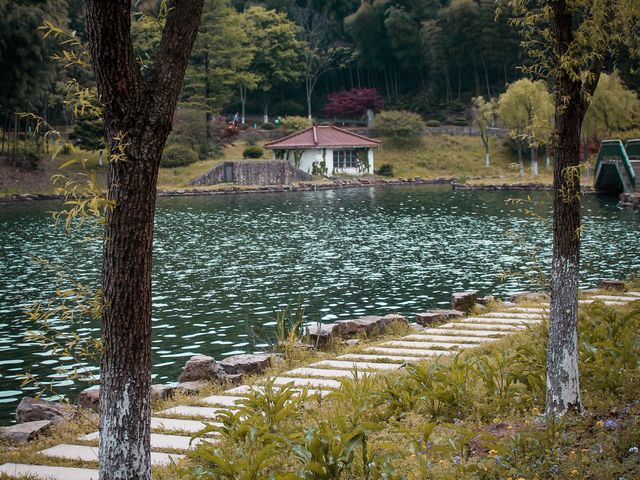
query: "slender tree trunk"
487, 159
243, 103
520, 160
137, 114
534, 161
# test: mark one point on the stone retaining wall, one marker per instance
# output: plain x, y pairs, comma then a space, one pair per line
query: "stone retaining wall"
253, 172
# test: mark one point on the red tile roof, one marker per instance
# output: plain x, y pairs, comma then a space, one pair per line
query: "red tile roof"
323, 137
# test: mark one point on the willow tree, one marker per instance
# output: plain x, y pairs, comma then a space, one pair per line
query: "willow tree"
483, 119
137, 113
569, 42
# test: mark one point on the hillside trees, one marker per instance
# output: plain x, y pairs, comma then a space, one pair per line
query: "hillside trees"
277, 60
569, 42
137, 114
484, 113
526, 110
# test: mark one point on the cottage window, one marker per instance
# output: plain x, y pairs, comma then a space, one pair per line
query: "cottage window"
345, 159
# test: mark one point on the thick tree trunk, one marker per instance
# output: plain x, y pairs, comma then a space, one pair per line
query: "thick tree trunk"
137, 116
563, 382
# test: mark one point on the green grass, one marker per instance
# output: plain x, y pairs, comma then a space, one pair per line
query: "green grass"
435, 156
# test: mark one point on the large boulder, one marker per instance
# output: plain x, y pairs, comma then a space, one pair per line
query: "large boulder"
246, 363
161, 392
90, 399
33, 410
611, 284
321, 334
24, 432
202, 367
436, 316
464, 301
368, 325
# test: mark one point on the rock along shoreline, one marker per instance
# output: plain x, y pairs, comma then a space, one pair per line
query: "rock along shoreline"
312, 186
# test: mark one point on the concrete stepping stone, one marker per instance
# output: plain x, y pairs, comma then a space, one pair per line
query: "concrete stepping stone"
424, 336
198, 412
44, 472
423, 345
319, 373
247, 389
534, 316
356, 365
500, 321
179, 425
483, 327
307, 382
606, 302
409, 351
614, 298
465, 333
223, 400
160, 441
544, 309
632, 294
90, 454
377, 357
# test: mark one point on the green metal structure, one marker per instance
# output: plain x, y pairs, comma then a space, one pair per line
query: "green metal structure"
618, 167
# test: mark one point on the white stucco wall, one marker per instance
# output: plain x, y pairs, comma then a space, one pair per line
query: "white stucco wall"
309, 157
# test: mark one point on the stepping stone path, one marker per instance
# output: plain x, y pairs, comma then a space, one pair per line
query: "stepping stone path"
172, 427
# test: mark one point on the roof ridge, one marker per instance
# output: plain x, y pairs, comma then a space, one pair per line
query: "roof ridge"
288, 136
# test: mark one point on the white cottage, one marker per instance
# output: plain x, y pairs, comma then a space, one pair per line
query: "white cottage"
326, 150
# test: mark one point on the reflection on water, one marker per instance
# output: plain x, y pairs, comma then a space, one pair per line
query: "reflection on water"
223, 261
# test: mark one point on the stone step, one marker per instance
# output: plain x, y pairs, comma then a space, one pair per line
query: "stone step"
409, 351
160, 441
197, 412
179, 425
247, 389
90, 454
466, 333
356, 365
321, 383
424, 336
423, 345
43, 472
222, 400
534, 316
544, 309
319, 373
500, 321
606, 302
613, 298
379, 357
632, 294
485, 327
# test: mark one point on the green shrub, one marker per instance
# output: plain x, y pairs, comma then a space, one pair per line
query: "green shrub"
385, 170
178, 156
295, 123
461, 122
267, 126
433, 123
251, 138
253, 152
399, 124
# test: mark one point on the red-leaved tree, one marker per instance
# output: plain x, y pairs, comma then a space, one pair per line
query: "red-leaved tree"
353, 103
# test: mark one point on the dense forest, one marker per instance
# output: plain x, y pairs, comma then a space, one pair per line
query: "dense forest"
284, 57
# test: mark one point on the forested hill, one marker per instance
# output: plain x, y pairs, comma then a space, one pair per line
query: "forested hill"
283, 57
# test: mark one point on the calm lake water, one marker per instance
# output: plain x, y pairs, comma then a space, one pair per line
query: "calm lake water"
222, 262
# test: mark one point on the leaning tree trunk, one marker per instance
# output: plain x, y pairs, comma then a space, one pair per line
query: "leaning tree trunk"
137, 116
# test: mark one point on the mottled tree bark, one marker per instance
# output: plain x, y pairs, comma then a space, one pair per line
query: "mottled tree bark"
137, 116
563, 384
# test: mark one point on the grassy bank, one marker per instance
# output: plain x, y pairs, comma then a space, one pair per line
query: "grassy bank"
430, 157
